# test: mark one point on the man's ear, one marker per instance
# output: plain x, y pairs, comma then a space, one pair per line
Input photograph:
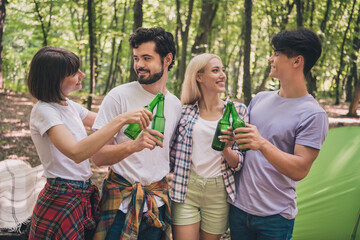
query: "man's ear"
299, 59
168, 59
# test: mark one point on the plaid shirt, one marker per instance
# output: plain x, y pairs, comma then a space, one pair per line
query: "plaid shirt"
180, 153
115, 190
65, 212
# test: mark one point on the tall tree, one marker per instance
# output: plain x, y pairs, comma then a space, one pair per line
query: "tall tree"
353, 63
299, 12
78, 16
341, 65
2, 29
138, 22
115, 60
45, 29
184, 34
208, 13
92, 45
353, 72
247, 50
114, 26
326, 16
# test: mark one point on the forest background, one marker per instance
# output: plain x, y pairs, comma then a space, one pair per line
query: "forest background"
239, 31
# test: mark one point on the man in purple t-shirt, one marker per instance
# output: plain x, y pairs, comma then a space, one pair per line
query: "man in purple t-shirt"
286, 131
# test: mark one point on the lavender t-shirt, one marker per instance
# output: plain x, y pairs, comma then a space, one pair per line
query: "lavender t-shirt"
261, 189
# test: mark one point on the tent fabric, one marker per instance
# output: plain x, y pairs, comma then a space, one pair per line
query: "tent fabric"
20, 186
329, 197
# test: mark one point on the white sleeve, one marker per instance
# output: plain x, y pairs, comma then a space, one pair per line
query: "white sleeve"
83, 112
45, 117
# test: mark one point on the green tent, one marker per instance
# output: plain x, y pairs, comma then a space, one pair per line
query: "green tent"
329, 197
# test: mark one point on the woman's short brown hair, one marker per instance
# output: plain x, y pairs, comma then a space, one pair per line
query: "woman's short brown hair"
48, 69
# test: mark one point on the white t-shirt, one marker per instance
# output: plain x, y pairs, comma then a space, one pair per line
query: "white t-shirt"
47, 115
147, 166
203, 134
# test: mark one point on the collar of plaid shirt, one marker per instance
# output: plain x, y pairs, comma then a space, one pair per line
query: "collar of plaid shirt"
116, 189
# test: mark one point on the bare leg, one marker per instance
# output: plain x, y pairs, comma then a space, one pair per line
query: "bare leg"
186, 232
208, 236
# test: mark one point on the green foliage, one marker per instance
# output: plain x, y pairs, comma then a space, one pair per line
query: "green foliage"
69, 29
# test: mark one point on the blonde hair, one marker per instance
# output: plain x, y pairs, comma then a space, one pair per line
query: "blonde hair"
190, 91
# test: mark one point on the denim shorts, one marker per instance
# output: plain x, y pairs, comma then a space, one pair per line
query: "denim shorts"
205, 202
77, 184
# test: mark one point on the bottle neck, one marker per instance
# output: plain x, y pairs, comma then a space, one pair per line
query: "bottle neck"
154, 102
234, 113
226, 115
160, 108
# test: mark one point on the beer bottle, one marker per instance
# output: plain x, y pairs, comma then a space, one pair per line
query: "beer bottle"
133, 130
237, 122
223, 124
158, 122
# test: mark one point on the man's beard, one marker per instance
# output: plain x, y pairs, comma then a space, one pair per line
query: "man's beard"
153, 78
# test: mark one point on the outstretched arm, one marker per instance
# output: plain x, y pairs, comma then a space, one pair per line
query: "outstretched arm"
78, 151
111, 154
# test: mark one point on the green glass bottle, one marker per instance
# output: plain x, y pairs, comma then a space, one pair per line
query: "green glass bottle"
237, 122
223, 124
158, 122
133, 130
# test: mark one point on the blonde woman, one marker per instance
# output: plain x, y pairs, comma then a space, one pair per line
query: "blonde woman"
203, 178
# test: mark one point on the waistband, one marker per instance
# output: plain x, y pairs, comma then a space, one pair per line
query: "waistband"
195, 177
77, 184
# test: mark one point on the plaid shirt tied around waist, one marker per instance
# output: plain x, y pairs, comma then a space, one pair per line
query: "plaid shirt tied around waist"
116, 189
65, 212
180, 153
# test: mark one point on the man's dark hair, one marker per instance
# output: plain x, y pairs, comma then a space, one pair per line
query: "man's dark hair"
302, 42
48, 69
164, 41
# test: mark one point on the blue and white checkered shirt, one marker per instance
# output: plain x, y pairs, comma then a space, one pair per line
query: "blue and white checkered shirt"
180, 153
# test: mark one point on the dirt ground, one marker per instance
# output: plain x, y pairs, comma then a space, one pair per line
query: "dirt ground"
16, 142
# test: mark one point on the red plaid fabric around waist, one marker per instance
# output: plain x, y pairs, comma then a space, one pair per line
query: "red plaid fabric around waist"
63, 211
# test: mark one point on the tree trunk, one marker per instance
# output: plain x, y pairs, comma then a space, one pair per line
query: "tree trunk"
236, 74
312, 10
184, 41
2, 29
356, 46
355, 102
341, 67
112, 56
119, 49
299, 12
138, 21
326, 16
208, 13
78, 20
247, 48
354, 57
45, 29
92, 44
